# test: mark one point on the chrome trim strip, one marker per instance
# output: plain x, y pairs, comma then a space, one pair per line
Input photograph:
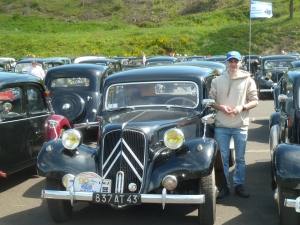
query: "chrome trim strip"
119, 182
131, 166
27, 118
110, 155
113, 163
133, 155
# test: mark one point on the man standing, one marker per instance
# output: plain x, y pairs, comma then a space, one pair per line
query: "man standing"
36, 70
234, 94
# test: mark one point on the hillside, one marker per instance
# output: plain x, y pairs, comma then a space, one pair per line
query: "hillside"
131, 27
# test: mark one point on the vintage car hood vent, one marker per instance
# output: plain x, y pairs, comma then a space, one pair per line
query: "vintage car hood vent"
124, 150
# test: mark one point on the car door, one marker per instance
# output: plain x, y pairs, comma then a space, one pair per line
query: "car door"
38, 113
14, 127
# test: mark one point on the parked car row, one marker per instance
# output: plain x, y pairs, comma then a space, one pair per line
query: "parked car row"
285, 147
153, 127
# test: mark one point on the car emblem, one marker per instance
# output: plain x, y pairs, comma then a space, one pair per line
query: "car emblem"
66, 107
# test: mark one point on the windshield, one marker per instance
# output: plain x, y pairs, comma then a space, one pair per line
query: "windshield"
23, 67
278, 64
176, 93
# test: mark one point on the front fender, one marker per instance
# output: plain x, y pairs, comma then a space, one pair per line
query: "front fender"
49, 133
274, 119
195, 159
287, 165
54, 161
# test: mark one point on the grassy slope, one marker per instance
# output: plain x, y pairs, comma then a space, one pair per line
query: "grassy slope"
66, 28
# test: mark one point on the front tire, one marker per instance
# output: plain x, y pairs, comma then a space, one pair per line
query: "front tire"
287, 215
60, 210
207, 210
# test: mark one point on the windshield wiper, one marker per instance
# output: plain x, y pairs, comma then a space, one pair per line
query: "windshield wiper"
120, 108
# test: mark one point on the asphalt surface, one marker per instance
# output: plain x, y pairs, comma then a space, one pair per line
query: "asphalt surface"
20, 202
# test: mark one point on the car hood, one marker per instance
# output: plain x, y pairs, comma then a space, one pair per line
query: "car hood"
153, 122
149, 117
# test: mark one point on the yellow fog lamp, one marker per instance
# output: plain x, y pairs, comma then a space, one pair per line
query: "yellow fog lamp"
173, 138
268, 75
71, 139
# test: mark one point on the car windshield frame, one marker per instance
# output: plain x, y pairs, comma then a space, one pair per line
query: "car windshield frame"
267, 64
154, 92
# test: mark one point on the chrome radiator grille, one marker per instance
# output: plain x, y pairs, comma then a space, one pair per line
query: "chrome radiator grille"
124, 151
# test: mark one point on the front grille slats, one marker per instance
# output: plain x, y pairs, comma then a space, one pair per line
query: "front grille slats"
128, 156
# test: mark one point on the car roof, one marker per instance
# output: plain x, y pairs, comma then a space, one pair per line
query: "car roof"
161, 58
11, 78
161, 73
204, 63
39, 60
279, 57
100, 60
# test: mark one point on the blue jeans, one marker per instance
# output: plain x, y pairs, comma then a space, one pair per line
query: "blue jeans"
223, 136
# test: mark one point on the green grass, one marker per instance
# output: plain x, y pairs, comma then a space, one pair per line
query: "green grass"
156, 27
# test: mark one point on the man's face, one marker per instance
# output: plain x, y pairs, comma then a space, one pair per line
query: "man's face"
34, 64
233, 64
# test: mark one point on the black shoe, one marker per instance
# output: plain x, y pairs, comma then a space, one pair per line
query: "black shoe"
223, 193
239, 190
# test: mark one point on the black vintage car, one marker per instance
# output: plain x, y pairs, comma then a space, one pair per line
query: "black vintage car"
76, 91
271, 69
154, 146
248, 59
196, 58
285, 149
161, 60
26, 121
23, 65
217, 58
114, 64
220, 67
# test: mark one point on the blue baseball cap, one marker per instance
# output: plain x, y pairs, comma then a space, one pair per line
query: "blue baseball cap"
233, 55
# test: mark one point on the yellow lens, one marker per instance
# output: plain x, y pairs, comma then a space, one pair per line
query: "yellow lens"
71, 139
173, 138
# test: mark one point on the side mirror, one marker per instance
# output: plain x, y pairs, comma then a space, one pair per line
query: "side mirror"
208, 102
284, 98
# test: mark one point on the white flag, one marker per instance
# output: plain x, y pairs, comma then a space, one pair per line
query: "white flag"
260, 9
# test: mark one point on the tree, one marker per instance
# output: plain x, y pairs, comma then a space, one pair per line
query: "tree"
291, 9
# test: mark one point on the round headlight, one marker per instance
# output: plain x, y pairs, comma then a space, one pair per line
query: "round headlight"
268, 75
71, 139
173, 138
66, 179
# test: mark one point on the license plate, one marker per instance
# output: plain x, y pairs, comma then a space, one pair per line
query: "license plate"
121, 199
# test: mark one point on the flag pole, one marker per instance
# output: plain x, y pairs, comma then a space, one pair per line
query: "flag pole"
249, 41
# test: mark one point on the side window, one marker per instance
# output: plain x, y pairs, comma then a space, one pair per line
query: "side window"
36, 101
11, 102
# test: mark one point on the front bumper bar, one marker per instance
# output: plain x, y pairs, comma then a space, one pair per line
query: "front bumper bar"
266, 90
293, 203
163, 198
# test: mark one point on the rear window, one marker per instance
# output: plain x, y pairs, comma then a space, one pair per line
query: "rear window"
70, 82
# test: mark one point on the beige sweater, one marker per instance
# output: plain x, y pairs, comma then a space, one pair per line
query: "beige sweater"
233, 92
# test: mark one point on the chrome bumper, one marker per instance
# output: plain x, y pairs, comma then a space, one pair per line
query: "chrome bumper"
293, 203
162, 198
266, 90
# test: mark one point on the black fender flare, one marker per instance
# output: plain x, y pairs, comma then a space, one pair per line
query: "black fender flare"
193, 160
59, 161
287, 165
274, 119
